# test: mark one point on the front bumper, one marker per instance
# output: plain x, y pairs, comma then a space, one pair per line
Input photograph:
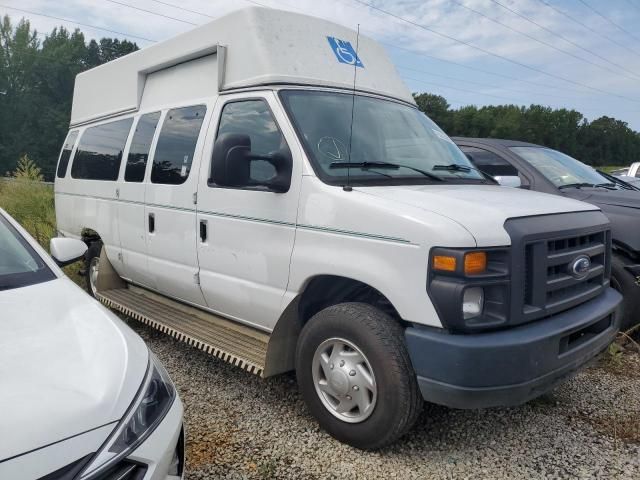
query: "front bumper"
510, 367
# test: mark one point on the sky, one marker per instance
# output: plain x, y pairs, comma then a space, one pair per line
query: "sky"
578, 54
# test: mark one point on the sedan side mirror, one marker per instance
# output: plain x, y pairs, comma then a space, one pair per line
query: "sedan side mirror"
66, 251
231, 164
509, 181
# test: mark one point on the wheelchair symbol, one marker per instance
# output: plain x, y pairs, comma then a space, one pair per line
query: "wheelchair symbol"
344, 52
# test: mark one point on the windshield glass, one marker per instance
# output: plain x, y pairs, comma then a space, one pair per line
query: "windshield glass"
559, 168
412, 148
19, 264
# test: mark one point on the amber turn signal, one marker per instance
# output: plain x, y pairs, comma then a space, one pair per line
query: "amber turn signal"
444, 263
475, 262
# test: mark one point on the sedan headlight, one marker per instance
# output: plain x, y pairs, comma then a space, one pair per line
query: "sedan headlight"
153, 401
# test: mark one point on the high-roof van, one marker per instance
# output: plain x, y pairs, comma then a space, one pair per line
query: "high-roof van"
264, 188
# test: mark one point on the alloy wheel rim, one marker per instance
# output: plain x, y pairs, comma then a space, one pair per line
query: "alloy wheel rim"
344, 380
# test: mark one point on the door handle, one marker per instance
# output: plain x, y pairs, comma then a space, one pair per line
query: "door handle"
203, 231
152, 223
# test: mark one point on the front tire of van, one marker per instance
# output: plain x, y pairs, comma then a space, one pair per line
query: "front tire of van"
92, 266
356, 377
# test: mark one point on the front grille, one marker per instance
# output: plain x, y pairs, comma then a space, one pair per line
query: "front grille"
549, 284
542, 250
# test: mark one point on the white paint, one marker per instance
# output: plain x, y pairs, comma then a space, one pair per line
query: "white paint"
264, 46
67, 249
263, 248
67, 366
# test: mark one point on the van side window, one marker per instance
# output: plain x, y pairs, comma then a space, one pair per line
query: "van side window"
177, 144
66, 153
100, 150
254, 118
140, 146
490, 163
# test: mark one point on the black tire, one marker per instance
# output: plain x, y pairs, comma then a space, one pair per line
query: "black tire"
381, 339
623, 281
94, 251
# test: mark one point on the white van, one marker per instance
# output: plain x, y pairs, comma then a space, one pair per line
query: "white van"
264, 188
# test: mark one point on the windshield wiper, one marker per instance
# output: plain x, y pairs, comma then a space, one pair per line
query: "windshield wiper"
608, 186
456, 167
394, 166
575, 185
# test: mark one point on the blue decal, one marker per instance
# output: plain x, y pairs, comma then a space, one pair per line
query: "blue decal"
345, 53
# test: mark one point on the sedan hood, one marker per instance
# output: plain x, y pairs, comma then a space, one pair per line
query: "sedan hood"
602, 196
67, 365
481, 209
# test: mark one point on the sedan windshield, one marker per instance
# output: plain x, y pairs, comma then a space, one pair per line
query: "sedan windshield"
561, 169
374, 141
19, 264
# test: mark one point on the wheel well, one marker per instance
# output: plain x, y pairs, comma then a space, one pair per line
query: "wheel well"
319, 293
89, 236
327, 290
624, 249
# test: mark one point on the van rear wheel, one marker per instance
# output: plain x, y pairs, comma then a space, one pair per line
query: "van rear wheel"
92, 259
356, 377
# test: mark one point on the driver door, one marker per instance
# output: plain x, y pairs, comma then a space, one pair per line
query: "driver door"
245, 234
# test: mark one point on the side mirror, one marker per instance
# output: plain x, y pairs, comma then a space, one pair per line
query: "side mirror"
66, 251
509, 181
231, 164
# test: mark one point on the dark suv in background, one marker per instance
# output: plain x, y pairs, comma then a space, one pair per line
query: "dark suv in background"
534, 167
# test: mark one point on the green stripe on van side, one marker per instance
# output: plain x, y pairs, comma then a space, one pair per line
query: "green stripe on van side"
317, 228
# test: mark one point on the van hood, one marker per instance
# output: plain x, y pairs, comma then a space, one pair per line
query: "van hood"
67, 365
481, 209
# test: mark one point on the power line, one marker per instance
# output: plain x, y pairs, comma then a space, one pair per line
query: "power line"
488, 52
77, 23
533, 22
587, 27
402, 67
608, 20
151, 12
179, 7
477, 69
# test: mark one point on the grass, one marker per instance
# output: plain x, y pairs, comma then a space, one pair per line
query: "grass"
31, 204
609, 169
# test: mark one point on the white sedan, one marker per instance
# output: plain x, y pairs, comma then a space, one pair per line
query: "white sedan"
81, 396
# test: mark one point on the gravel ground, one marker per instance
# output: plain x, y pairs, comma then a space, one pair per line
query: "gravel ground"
240, 426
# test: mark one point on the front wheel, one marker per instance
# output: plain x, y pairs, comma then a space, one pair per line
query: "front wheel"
624, 282
356, 377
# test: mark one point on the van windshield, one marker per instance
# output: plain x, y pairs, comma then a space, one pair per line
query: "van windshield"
387, 142
19, 264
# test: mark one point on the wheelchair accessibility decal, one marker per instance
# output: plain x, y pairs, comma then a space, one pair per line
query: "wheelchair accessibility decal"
345, 53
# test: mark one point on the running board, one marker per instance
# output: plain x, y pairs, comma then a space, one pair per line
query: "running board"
227, 340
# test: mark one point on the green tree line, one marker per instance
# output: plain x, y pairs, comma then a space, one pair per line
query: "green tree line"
603, 141
37, 73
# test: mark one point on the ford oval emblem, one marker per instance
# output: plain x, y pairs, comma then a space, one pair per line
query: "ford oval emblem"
579, 267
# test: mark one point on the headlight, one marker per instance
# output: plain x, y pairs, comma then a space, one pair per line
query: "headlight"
469, 287
472, 302
153, 401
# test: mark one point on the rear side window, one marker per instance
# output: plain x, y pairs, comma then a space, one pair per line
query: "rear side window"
140, 146
177, 144
66, 153
490, 163
100, 150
